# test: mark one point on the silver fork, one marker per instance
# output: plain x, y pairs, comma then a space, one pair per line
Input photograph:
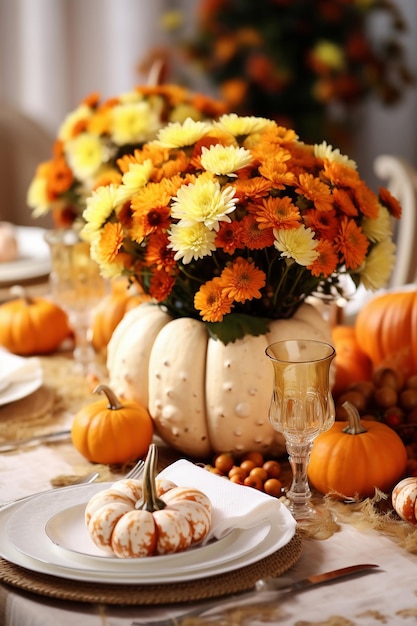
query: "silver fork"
136, 471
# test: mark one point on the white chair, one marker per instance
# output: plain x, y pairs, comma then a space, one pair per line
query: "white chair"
24, 143
400, 177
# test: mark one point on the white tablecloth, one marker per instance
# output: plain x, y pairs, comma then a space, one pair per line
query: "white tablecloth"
388, 596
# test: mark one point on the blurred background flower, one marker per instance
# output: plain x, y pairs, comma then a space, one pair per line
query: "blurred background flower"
305, 63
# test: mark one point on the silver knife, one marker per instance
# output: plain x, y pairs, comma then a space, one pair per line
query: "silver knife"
60, 435
265, 584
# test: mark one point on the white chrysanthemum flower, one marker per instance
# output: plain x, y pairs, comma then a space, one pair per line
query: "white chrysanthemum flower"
176, 135
85, 154
297, 244
326, 151
246, 125
191, 242
100, 205
380, 228
204, 202
134, 179
37, 197
133, 123
225, 160
377, 269
65, 131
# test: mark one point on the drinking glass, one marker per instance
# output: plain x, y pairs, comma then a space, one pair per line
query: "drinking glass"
76, 286
301, 407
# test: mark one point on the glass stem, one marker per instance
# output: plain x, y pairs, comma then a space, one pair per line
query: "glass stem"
299, 457
83, 350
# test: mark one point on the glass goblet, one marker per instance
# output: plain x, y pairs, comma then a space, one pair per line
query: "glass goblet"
301, 408
76, 286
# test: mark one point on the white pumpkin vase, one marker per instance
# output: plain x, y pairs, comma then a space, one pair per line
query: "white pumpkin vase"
204, 396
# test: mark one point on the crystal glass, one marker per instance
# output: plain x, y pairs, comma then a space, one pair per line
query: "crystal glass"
301, 408
77, 287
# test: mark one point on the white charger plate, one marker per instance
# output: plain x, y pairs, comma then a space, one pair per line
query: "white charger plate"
41, 555
34, 258
17, 391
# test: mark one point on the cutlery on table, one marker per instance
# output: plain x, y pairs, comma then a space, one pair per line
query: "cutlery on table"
265, 584
135, 472
60, 435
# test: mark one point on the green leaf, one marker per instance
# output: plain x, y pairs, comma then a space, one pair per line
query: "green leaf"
236, 326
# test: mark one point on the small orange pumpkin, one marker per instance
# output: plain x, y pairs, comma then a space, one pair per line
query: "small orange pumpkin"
111, 311
137, 518
351, 363
32, 325
353, 458
109, 431
386, 329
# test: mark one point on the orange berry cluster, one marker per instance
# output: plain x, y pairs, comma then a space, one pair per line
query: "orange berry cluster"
251, 470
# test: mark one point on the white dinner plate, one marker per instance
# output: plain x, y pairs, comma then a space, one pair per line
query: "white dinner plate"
17, 391
28, 546
34, 258
69, 534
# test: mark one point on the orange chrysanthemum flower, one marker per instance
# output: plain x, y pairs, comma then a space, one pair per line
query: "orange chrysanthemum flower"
351, 243
277, 172
211, 301
242, 281
251, 188
343, 201
277, 213
327, 259
253, 236
161, 285
391, 203
229, 237
60, 178
111, 241
324, 223
158, 254
313, 189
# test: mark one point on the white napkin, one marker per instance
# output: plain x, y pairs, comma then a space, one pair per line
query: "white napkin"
234, 506
17, 369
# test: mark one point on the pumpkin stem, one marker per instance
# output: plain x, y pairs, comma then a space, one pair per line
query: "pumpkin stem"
114, 402
354, 426
150, 501
20, 292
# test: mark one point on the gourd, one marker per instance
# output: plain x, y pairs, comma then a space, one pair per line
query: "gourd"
351, 363
386, 329
203, 396
109, 431
111, 310
404, 499
353, 458
137, 518
31, 326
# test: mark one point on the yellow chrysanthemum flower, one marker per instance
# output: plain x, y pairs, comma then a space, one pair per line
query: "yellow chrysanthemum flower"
225, 160
204, 202
191, 242
37, 196
238, 126
378, 265
133, 123
100, 206
326, 151
177, 135
297, 244
66, 130
380, 228
85, 154
137, 176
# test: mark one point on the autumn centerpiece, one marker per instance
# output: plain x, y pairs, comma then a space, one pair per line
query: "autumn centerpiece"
96, 133
230, 226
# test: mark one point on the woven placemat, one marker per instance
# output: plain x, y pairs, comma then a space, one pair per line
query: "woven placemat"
241, 579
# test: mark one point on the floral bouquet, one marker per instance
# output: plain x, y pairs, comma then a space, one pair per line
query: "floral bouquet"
236, 222
294, 59
95, 135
